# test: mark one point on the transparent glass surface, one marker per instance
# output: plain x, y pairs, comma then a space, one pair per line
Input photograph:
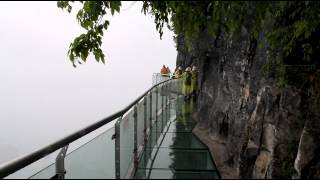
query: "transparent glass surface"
180, 159
126, 143
164, 109
140, 121
147, 158
94, 160
161, 124
154, 104
173, 151
160, 99
180, 128
182, 140
154, 140
46, 173
95, 151
148, 113
172, 174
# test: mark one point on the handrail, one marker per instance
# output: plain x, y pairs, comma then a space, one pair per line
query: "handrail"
13, 166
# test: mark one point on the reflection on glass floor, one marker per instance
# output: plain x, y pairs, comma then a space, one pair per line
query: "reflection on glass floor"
172, 151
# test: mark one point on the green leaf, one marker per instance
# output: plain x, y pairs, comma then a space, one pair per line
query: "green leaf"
106, 24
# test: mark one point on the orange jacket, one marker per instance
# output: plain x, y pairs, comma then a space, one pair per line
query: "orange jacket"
164, 71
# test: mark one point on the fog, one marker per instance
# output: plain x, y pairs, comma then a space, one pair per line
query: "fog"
43, 98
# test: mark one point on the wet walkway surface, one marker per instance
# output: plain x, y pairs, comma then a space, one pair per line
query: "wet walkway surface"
173, 151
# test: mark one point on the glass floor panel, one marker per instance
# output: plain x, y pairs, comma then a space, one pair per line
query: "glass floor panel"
182, 140
154, 140
176, 159
183, 159
173, 151
160, 126
172, 174
180, 128
183, 123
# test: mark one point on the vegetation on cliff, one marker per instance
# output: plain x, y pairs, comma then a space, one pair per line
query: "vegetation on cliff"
294, 38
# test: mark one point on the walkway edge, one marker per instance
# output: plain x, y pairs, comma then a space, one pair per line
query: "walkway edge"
226, 172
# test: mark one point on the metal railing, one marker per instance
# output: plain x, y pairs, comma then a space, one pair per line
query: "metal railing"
137, 117
158, 78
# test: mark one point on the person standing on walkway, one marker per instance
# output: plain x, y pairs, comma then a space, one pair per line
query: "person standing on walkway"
187, 83
194, 82
178, 73
164, 71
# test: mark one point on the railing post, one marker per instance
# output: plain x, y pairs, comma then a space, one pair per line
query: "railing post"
145, 119
156, 116
117, 148
135, 150
162, 108
166, 103
150, 110
60, 169
169, 111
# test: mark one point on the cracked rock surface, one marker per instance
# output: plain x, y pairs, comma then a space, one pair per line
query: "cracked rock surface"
253, 128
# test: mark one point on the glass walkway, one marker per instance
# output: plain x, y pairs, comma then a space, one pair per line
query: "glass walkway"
151, 139
173, 152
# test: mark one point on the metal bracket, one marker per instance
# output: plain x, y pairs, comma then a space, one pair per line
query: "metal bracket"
114, 137
60, 169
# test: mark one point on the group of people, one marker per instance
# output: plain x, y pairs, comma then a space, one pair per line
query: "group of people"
190, 81
189, 78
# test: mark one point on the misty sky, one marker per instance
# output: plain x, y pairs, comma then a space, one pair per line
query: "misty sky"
43, 98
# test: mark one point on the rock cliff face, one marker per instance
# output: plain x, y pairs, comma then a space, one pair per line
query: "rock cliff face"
256, 130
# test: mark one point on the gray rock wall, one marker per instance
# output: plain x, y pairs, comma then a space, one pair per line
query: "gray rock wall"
263, 129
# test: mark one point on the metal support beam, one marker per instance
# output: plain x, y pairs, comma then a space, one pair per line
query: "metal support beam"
156, 116
162, 110
150, 110
167, 97
145, 120
60, 169
135, 149
117, 148
169, 111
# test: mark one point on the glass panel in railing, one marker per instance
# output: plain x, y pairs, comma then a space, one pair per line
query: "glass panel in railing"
126, 144
46, 173
168, 88
167, 93
159, 99
176, 86
154, 103
140, 126
93, 160
165, 112
153, 79
160, 123
172, 84
180, 85
165, 89
148, 113
41, 169
49, 171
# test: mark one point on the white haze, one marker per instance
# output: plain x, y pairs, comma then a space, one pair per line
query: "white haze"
43, 98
